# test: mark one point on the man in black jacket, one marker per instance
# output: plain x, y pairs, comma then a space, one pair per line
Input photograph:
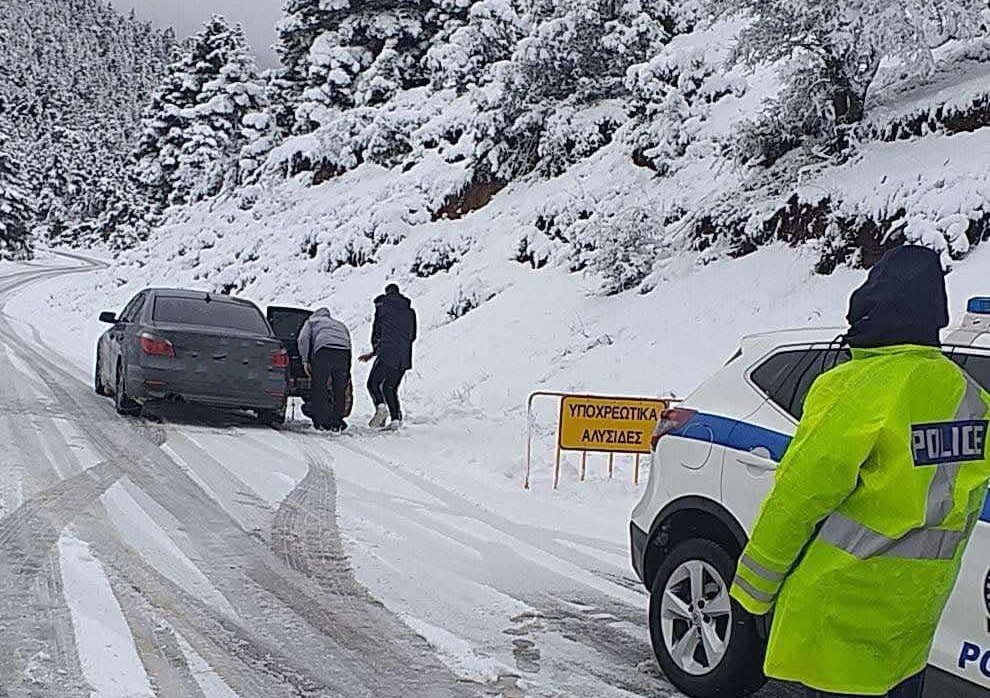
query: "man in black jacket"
392, 338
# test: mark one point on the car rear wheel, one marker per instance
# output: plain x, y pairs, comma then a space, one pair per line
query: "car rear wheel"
706, 644
273, 418
122, 402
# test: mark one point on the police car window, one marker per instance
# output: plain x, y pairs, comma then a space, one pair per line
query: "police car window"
787, 377
977, 366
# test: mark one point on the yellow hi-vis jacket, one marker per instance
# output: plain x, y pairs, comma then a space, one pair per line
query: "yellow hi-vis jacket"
859, 544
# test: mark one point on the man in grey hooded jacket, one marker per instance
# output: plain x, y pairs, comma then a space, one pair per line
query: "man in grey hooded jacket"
325, 347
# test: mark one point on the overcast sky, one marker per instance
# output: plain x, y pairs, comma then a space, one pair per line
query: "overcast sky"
257, 16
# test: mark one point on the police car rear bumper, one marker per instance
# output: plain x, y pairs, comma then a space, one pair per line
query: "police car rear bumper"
942, 684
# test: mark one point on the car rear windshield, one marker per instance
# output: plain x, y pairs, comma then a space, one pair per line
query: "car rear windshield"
210, 313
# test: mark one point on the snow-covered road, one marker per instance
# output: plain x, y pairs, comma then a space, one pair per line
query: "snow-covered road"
200, 555
124, 573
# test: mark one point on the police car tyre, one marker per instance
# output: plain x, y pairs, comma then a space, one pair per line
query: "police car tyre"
738, 671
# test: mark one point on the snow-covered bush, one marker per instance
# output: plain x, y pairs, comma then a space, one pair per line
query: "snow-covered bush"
672, 96
436, 255
470, 296
626, 250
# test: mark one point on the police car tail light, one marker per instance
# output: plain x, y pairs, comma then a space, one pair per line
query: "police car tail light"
156, 346
671, 420
978, 306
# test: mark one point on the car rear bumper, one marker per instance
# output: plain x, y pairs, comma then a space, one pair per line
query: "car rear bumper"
153, 385
637, 546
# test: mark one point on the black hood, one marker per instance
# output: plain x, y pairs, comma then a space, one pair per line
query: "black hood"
902, 302
395, 300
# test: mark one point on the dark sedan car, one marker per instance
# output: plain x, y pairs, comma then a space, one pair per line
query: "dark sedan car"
192, 347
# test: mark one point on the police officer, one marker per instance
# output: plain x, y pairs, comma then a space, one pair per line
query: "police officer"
857, 548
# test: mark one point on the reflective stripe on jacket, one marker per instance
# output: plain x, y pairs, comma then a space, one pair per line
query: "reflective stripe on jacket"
858, 546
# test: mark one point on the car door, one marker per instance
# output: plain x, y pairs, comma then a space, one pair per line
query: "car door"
962, 644
119, 334
757, 444
286, 324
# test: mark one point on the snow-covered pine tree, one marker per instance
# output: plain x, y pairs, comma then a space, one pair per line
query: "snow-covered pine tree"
194, 129
359, 52
16, 209
218, 130
490, 35
575, 56
833, 50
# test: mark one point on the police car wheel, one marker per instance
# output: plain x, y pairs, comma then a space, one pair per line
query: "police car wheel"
706, 644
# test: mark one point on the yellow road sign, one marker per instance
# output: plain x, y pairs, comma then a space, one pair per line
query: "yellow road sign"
608, 425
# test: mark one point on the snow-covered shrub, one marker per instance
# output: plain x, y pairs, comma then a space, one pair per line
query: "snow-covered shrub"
388, 140
436, 255
672, 96
800, 114
619, 247
571, 135
470, 296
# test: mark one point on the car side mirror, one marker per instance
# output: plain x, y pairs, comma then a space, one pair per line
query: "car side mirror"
108, 317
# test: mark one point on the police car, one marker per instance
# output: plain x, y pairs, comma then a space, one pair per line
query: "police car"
714, 458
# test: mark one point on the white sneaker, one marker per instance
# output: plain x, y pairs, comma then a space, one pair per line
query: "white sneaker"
394, 425
380, 418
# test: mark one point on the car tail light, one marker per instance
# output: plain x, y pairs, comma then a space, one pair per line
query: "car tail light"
671, 420
156, 346
280, 359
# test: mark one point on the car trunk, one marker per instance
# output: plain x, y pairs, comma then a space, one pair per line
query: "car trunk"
223, 362
286, 323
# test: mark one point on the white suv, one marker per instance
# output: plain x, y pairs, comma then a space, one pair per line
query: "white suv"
713, 464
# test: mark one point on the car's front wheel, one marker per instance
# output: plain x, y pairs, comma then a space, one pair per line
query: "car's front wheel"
706, 644
98, 377
124, 404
